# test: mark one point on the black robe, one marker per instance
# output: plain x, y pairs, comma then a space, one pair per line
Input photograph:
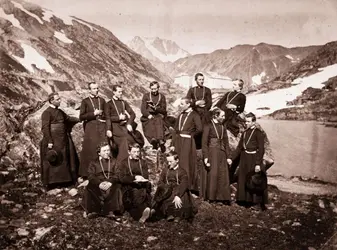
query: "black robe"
174, 182
235, 98
153, 128
136, 196
251, 151
97, 200
121, 137
56, 129
215, 185
188, 125
200, 93
94, 131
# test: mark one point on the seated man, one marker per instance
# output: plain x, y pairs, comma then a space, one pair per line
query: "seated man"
133, 174
102, 195
172, 199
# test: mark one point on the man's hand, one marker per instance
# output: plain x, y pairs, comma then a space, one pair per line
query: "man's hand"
50, 145
150, 116
257, 168
98, 112
229, 161
207, 163
129, 128
109, 133
200, 103
122, 117
231, 106
172, 148
105, 185
177, 202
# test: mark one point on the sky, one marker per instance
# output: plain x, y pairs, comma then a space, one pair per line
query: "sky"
202, 26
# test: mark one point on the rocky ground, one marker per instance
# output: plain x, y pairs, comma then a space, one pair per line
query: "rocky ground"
34, 219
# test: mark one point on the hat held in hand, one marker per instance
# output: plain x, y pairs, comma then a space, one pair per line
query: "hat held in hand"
53, 157
256, 183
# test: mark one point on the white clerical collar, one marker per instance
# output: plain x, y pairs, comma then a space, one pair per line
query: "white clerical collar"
176, 167
52, 106
252, 127
93, 96
133, 158
215, 121
115, 98
188, 110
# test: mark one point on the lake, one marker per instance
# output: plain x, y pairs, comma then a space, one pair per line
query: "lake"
303, 148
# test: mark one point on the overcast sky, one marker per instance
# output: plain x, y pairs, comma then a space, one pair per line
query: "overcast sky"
206, 25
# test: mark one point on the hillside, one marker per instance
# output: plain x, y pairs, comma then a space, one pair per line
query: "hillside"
255, 64
42, 51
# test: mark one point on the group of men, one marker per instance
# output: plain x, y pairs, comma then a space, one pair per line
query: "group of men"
111, 161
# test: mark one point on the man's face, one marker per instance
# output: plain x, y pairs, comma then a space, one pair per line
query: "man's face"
200, 80
184, 105
134, 153
171, 161
236, 85
249, 122
154, 89
105, 152
93, 89
57, 101
221, 117
118, 93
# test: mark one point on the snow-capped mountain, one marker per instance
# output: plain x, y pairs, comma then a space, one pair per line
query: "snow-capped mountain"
157, 49
255, 64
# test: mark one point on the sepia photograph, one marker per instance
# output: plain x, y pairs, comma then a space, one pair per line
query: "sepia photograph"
168, 124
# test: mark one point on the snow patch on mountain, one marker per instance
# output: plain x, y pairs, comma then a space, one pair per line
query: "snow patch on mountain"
15, 22
266, 103
19, 6
62, 37
257, 79
33, 57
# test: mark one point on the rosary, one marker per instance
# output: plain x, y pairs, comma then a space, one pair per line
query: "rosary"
100, 162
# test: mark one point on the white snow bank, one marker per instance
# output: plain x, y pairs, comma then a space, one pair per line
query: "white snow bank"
33, 57
277, 99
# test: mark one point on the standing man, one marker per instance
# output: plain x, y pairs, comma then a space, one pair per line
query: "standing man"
233, 103
188, 126
154, 111
119, 119
201, 102
251, 151
59, 160
94, 125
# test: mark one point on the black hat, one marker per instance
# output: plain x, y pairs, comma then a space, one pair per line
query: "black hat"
256, 183
53, 157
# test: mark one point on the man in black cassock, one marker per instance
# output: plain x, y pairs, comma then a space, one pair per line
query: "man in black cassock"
62, 168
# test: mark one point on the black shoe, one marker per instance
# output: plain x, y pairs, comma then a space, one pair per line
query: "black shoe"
162, 147
154, 143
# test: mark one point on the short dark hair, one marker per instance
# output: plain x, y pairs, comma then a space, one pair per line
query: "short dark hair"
101, 145
114, 87
241, 82
250, 114
197, 75
216, 112
51, 96
186, 100
154, 83
172, 153
89, 84
133, 145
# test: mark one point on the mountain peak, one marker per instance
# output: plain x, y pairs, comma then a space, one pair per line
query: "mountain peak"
157, 49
